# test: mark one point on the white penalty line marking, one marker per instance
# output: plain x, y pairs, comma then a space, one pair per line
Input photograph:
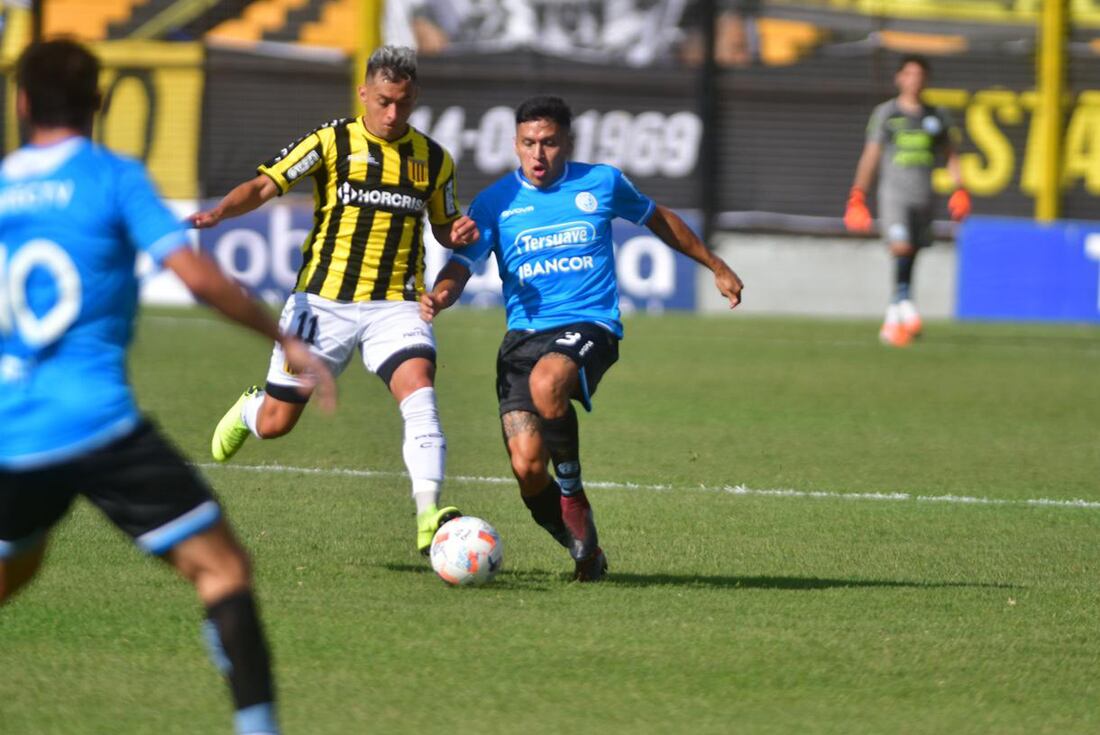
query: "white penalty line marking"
729, 489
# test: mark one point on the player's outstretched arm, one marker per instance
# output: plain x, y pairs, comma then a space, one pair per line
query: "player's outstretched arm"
208, 284
675, 233
448, 287
242, 199
463, 231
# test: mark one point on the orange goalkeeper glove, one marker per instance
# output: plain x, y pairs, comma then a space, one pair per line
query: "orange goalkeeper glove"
959, 205
857, 218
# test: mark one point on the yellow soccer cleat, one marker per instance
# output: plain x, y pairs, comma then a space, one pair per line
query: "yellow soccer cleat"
230, 433
428, 522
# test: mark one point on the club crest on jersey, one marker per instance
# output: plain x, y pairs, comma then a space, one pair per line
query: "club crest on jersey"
586, 202
931, 125
418, 171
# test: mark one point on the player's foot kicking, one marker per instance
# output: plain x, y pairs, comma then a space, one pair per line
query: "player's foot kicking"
230, 433
910, 319
428, 522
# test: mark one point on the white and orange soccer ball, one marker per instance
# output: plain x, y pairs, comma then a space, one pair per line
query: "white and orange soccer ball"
467, 551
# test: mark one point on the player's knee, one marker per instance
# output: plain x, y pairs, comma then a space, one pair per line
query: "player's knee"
225, 574
549, 394
528, 469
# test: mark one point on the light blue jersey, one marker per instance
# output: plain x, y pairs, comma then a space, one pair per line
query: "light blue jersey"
73, 217
553, 246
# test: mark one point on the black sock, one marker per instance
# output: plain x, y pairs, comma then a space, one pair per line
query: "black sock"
903, 277
546, 510
238, 648
562, 437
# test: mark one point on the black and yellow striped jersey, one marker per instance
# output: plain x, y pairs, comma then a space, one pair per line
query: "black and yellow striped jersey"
367, 241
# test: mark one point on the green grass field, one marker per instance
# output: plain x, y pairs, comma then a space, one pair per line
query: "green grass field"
925, 574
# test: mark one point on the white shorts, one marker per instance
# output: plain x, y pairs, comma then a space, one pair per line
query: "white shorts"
386, 333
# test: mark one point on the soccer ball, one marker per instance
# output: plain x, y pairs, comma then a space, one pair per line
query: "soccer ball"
467, 550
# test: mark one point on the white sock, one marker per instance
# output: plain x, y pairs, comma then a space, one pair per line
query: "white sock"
425, 448
426, 494
907, 311
893, 315
251, 410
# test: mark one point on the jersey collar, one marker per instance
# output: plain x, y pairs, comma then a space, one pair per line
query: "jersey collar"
528, 185
35, 160
382, 141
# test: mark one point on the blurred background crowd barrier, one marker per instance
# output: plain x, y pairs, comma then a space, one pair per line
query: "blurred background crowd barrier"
749, 114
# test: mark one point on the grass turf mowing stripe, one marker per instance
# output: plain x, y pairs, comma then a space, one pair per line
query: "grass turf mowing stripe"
731, 489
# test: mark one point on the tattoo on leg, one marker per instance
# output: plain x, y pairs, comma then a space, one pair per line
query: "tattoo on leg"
515, 423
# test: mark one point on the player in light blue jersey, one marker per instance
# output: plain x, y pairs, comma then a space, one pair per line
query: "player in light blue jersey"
549, 225
73, 218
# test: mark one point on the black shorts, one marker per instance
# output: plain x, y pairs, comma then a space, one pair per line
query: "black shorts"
593, 348
140, 482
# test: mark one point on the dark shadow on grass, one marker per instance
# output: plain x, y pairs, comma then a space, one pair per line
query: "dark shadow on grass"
541, 579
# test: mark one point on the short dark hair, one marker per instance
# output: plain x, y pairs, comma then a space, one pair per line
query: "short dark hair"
545, 108
396, 63
921, 61
61, 81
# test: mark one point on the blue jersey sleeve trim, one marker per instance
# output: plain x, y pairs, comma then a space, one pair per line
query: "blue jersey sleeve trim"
195, 521
470, 264
167, 245
648, 213
116, 430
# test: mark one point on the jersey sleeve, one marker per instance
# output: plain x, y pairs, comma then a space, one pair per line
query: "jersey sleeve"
627, 202
150, 226
295, 162
476, 253
952, 136
442, 205
876, 126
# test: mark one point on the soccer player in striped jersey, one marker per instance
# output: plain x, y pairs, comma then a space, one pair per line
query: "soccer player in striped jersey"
73, 218
362, 274
549, 225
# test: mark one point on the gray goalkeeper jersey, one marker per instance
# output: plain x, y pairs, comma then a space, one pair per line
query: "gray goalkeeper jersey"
910, 144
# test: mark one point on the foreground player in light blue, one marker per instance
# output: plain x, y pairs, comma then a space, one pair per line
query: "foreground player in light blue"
549, 226
73, 218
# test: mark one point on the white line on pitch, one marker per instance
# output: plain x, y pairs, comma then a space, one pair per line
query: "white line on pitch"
731, 489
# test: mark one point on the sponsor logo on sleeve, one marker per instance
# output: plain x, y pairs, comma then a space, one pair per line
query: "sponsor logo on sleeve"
450, 207
311, 159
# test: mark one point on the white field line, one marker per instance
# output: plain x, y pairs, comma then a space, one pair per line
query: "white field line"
729, 489
992, 345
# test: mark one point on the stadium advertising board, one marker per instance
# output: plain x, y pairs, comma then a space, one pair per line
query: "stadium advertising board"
1015, 269
262, 250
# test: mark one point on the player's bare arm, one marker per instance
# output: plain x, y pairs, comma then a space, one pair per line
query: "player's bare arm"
675, 233
207, 282
448, 287
463, 231
242, 199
